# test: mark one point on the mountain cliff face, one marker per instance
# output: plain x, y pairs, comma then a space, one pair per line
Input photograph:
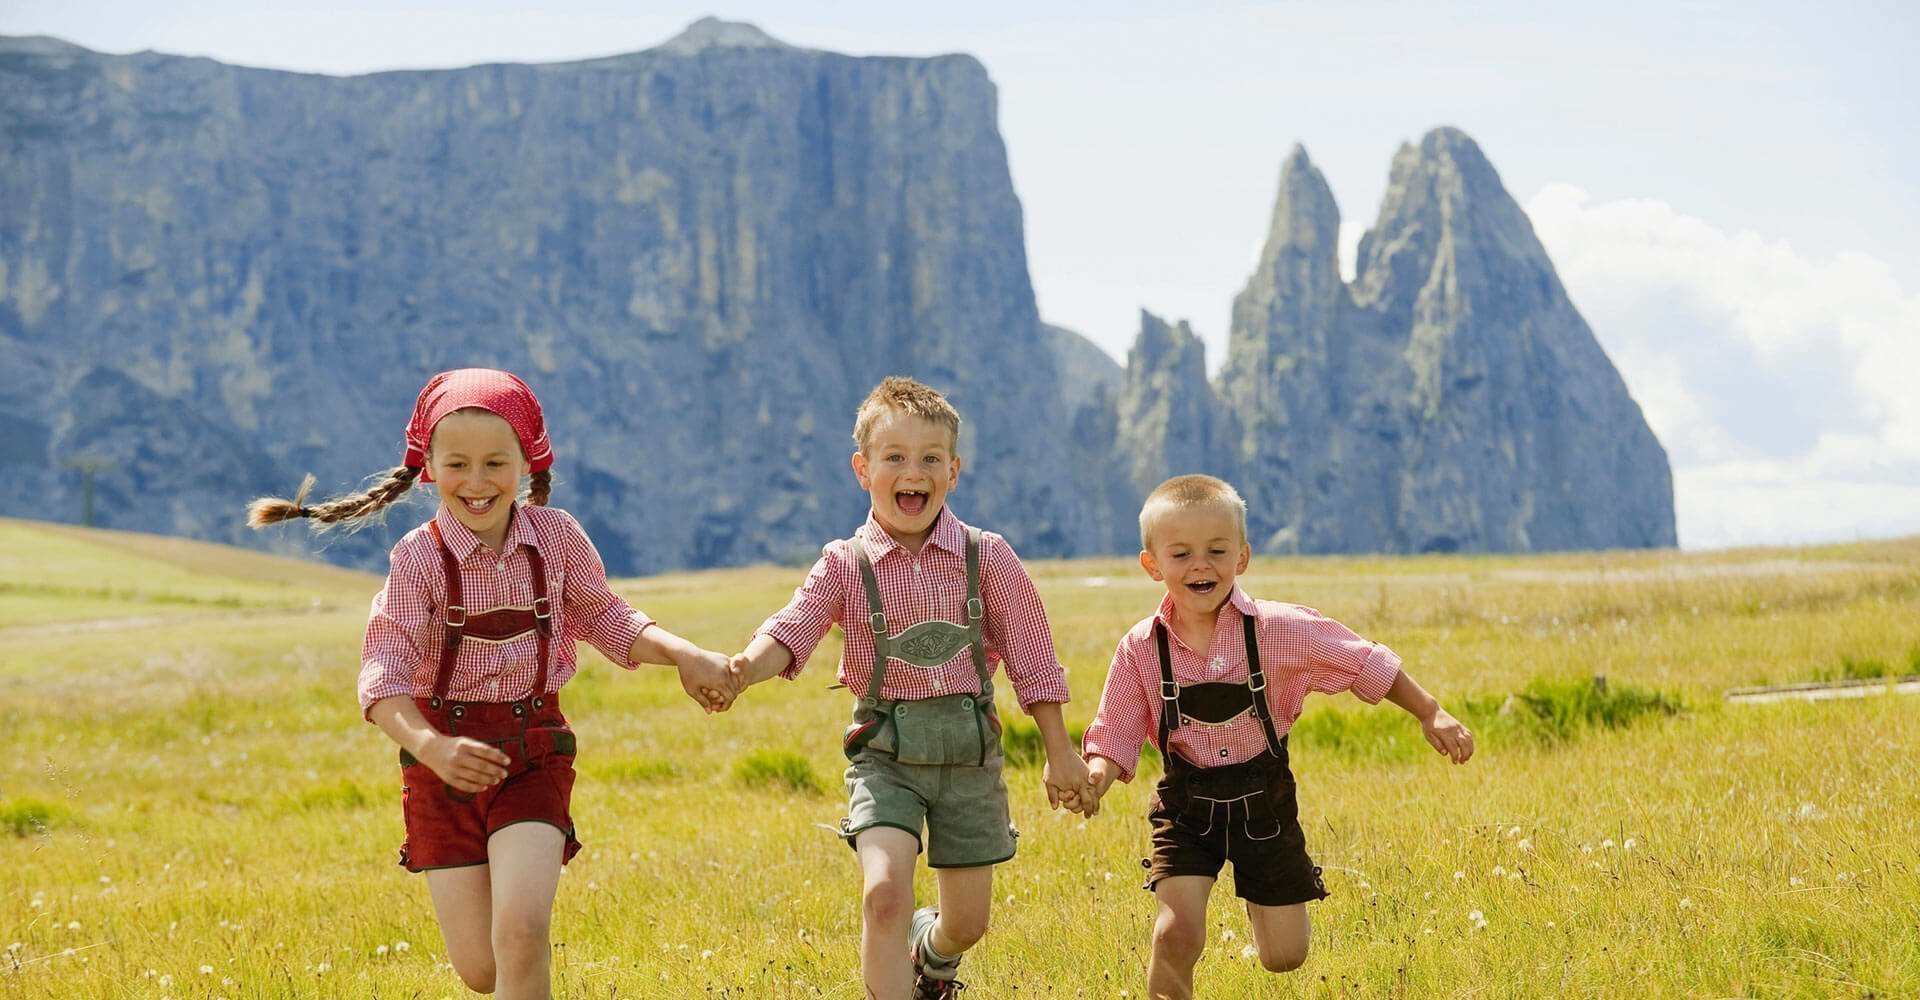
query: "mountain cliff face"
215, 279
701, 256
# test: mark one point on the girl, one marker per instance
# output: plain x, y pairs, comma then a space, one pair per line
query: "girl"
465, 651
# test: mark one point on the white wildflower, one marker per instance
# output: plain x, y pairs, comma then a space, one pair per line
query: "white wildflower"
1525, 844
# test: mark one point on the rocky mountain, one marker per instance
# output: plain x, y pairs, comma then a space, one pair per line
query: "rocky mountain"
214, 279
1450, 399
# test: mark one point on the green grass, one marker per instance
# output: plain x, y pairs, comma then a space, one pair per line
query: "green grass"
189, 786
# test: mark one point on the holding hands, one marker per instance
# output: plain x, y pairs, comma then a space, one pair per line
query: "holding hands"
705, 678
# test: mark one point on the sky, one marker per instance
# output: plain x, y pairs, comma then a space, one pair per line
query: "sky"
1729, 191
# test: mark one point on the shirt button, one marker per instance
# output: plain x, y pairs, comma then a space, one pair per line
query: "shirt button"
1223, 750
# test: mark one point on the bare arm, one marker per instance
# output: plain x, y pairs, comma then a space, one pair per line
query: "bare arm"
764, 657
1442, 730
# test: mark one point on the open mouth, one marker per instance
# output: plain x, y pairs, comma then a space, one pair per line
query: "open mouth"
477, 507
1203, 587
911, 502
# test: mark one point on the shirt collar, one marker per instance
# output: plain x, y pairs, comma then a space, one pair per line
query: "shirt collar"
463, 543
1239, 599
948, 533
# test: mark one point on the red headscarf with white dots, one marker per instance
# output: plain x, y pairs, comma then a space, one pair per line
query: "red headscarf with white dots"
497, 392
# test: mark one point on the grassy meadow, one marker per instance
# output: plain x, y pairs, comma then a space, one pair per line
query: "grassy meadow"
190, 805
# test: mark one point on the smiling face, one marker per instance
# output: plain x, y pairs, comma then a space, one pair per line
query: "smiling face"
907, 467
477, 465
1197, 552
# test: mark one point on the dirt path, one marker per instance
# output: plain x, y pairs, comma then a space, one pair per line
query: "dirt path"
85, 626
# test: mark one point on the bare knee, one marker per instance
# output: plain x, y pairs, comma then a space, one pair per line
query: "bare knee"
520, 937
886, 901
1283, 956
1179, 940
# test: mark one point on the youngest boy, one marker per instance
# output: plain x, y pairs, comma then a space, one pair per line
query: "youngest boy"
927, 605
1216, 679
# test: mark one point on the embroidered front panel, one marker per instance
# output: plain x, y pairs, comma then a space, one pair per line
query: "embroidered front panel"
929, 644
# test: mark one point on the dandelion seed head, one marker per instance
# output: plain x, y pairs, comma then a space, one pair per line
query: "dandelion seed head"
1525, 844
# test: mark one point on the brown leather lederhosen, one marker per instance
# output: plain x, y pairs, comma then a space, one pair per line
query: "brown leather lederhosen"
1247, 812
447, 828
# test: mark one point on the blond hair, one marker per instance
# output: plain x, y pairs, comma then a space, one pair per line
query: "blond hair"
1188, 492
905, 395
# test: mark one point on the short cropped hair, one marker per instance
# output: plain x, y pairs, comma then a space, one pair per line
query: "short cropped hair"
917, 399
1187, 492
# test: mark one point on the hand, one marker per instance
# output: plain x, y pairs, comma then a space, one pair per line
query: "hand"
1448, 736
1066, 778
466, 765
739, 673
1101, 774
705, 678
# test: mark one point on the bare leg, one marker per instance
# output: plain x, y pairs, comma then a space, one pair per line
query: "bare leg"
886, 857
1281, 935
525, 859
1179, 935
966, 896
462, 899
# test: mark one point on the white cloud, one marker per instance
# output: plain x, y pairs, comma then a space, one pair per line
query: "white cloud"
1782, 386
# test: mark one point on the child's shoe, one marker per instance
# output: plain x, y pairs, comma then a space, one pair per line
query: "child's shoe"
925, 985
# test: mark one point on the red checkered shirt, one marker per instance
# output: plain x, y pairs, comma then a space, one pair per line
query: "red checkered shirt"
401, 651
1301, 650
914, 590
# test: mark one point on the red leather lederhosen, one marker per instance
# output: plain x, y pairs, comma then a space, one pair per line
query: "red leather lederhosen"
447, 828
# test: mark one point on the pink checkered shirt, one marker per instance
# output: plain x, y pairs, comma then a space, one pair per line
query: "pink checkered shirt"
1301, 650
402, 648
921, 589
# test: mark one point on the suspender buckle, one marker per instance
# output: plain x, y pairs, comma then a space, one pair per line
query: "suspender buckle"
1169, 691
542, 608
456, 616
975, 610
878, 622
1257, 682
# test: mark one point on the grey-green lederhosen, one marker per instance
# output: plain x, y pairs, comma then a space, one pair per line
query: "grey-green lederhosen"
935, 761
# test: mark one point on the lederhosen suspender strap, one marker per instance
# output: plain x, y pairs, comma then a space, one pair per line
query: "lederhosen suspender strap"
877, 618
457, 619
1170, 691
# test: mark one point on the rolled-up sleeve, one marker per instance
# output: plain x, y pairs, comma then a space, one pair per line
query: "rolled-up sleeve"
1016, 626
1339, 660
594, 614
392, 653
816, 605
1120, 724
